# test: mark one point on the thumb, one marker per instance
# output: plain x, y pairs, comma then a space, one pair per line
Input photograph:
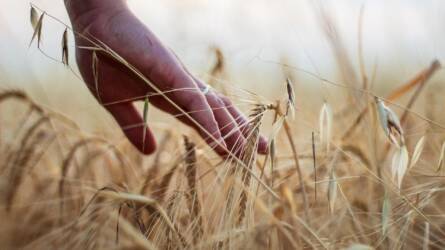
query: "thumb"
132, 124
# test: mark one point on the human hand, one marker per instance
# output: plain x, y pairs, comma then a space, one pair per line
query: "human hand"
116, 87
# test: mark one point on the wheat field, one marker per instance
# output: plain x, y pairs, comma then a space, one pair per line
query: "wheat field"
366, 172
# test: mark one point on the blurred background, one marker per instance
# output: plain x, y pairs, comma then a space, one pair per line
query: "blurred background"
399, 38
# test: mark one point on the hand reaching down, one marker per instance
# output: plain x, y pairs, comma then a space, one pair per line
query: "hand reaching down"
116, 87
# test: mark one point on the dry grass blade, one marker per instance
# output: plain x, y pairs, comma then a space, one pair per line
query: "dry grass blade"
426, 237
37, 29
359, 247
418, 149
332, 190
65, 51
314, 161
143, 200
332, 185
289, 135
420, 78
326, 117
95, 68
145, 118
273, 158
441, 158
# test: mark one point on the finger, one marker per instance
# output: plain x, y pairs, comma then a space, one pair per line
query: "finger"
132, 124
228, 126
229, 129
163, 105
243, 123
193, 102
239, 118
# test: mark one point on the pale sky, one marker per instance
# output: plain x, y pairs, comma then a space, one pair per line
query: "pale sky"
405, 34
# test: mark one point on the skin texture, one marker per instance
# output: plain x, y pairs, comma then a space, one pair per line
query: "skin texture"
111, 22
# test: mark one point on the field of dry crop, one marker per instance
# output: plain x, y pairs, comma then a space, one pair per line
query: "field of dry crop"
364, 169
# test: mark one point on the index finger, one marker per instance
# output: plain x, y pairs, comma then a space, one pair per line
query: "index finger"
191, 100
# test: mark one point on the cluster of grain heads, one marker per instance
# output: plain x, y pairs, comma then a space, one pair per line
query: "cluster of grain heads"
248, 157
192, 195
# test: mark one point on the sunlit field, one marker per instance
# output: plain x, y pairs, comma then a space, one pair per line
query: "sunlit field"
356, 139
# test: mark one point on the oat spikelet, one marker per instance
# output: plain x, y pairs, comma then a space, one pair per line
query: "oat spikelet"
386, 213
37, 28
192, 195
400, 162
441, 158
326, 125
290, 106
65, 52
34, 17
390, 123
249, 156
418, 149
